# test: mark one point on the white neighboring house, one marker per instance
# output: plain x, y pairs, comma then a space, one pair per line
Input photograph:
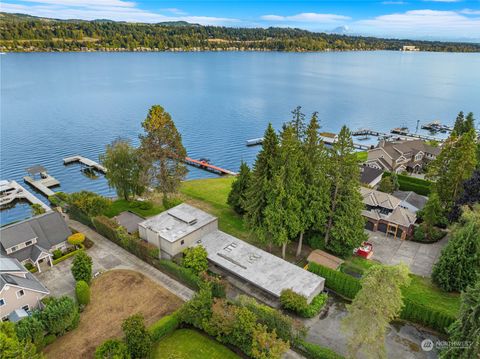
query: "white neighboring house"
185, 226
33, 240
20, 291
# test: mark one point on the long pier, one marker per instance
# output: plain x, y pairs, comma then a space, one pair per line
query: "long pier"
208, 167
85, 161
12, 190
330, 141
42, 183
396, 133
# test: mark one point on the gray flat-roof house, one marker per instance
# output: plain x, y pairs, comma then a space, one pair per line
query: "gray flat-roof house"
400, 156
34, 239
20, 291
185, 226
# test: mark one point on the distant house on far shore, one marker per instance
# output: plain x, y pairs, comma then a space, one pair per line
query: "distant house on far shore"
409, 48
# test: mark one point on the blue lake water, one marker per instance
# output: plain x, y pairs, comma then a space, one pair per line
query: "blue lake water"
56, 105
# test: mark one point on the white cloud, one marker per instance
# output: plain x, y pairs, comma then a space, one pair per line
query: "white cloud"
308, 17
422, 23
116, 10
469, 12
175, 11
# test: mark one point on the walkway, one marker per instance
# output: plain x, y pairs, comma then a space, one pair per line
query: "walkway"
107, 255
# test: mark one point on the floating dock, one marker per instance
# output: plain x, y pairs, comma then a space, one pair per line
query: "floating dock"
42, 182
395, 133
330, 141
399, 131
254, 141
208, 167
86, 162
11, 191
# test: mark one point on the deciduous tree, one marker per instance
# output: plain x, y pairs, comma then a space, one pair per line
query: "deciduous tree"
195, 258
470, 195
386, 185
30, 329
375, 305
13, 348
112, 349
266, 345
59, 316
163, 151
125, 170
237, 198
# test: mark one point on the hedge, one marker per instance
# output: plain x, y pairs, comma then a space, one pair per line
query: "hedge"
164, 326
184, 275
297, 303
68, 255
348, 287
314, 351
417, 185
341, 283
82, 290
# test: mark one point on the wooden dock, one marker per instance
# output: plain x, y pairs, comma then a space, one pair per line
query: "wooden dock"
400, 132
86, 162
330, 141
41, 182
254, 141
208, 167
395, 133
12, 190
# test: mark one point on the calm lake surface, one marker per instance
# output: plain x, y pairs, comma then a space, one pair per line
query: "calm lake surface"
56, 105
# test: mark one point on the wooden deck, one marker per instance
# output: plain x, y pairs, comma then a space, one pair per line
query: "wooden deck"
85, 161
208, 167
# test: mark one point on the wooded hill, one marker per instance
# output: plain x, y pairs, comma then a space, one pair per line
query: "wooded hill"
23, 33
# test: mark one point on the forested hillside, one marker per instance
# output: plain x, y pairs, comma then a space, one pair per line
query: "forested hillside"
24, 33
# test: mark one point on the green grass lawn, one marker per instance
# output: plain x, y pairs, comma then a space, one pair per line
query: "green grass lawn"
143, 209
211, 195
362, 156
188, 343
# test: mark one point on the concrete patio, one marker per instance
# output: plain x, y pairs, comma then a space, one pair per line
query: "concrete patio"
419, 257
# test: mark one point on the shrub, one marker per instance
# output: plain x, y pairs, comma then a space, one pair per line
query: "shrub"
49, 339
89, 203
137, 338
339, 282
82, 290
106, 227
170, 202
164, 326
29, 266
57, 253
314, 351
37, 209
420, 236
195, 258
68, 255
184, 275
76, 239
298, 303
60, 315
267, 345
112, 349
318, 302
82, 267
30, 329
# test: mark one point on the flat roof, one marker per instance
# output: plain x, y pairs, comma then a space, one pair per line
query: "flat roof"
258, 267
177, 222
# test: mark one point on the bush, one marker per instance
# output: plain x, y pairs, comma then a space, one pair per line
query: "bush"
112, 349
170, 202
420, 236
49, 339
298, 303
314, 351
82, 267
29, 266
89, 203
137, 338
184, 275
106, 227
82, 290
76, 239
68, 255
339, 282
195, 258
30, 329
59, 316
164, 326
57, 253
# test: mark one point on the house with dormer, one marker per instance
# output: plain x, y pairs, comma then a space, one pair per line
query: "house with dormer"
20, 291
33, 240
384, 212
401, 156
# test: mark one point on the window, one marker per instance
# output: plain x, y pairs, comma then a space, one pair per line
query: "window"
2, 302
20, 293
28, 243
13, 249
182, 242
26, 307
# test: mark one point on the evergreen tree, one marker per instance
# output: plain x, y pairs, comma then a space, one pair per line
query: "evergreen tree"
378, 302
396, 184
283, 216
469, 123
386, 185
315, 198
459, 121
163, 151
137, 337
261, 185
345, 225
459, 263
432, 214
13, 348
237, 198
125, 170
298, 122
466, 328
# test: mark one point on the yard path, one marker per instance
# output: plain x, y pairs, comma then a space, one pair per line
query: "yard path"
105, 247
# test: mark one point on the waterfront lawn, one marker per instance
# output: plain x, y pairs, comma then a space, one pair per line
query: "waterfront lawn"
362, 156
143, 209
211, 195
188, 343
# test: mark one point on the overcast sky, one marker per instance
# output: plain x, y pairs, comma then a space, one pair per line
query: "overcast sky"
424, 19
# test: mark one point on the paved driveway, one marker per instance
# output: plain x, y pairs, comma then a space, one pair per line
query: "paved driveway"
419, 257
106, 255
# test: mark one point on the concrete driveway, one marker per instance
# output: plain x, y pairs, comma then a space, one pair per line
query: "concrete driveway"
419, 257
106, 255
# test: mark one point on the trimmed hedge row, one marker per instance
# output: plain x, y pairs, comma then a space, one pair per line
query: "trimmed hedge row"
297, 303
68, 255
339, 282
417, 185
348, 287
314, 351
184, 275
164, 326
